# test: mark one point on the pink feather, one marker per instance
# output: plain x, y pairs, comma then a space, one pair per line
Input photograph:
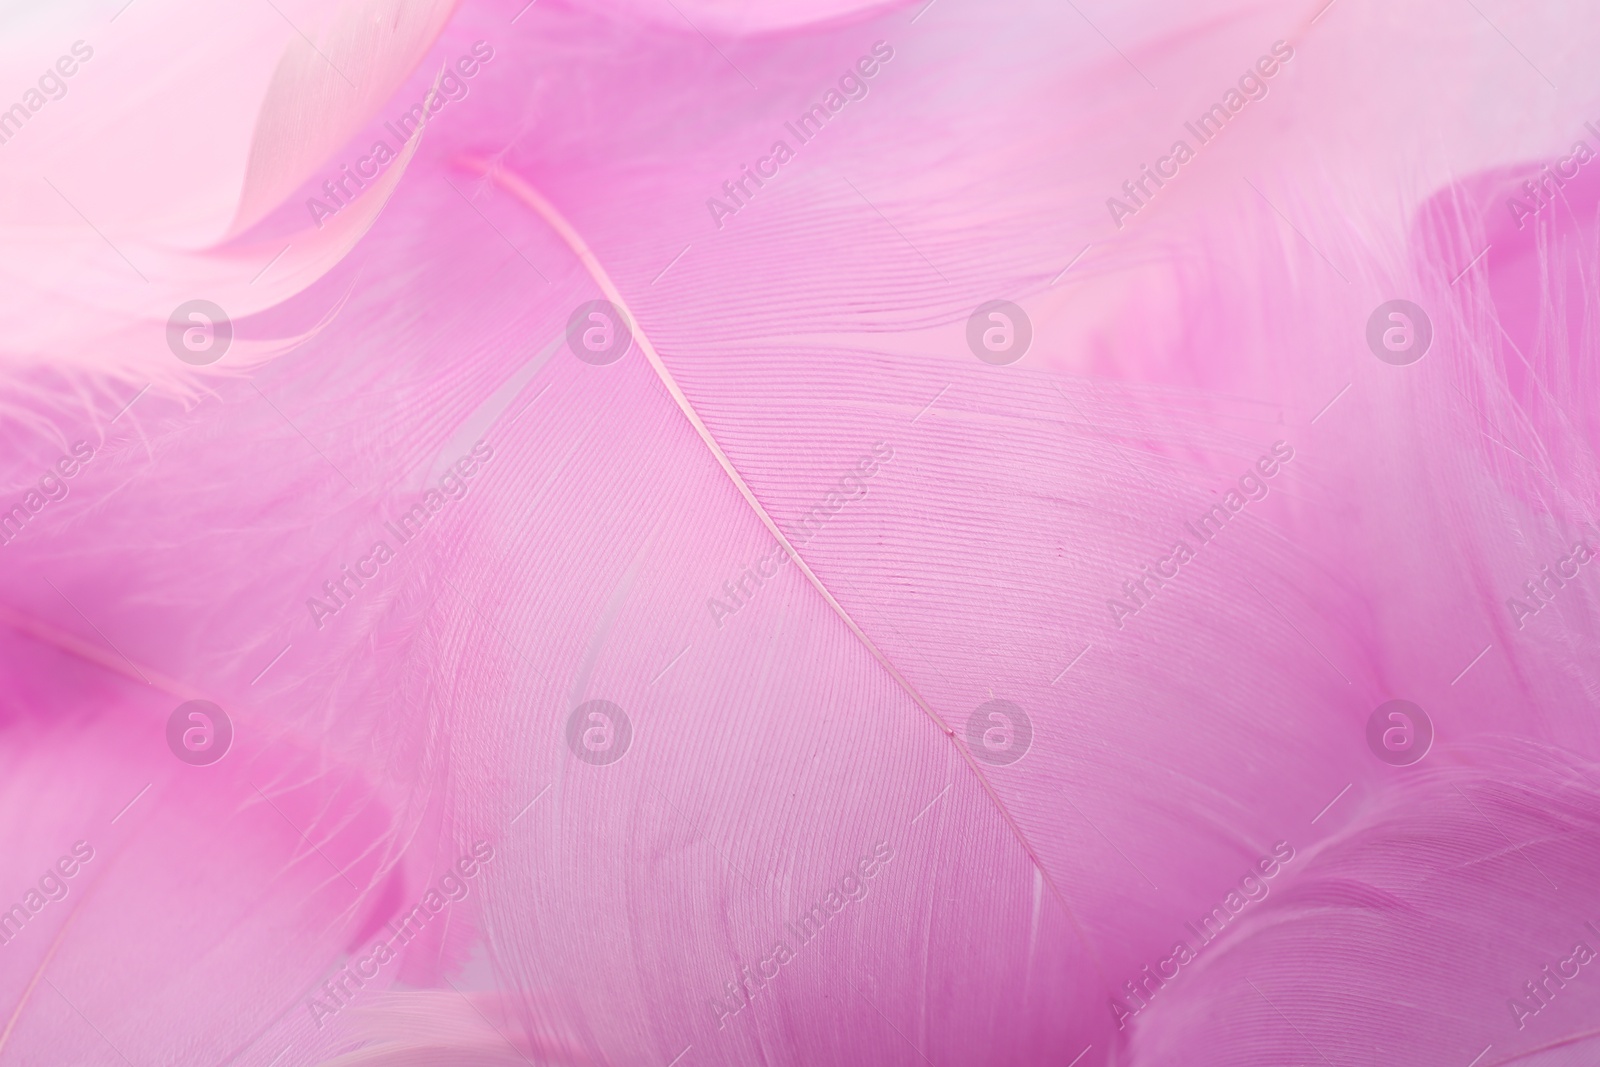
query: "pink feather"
803, 532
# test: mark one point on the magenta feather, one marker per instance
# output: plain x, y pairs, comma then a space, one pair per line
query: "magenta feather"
807, 684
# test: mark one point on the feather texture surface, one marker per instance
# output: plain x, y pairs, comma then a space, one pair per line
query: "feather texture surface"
660, 625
